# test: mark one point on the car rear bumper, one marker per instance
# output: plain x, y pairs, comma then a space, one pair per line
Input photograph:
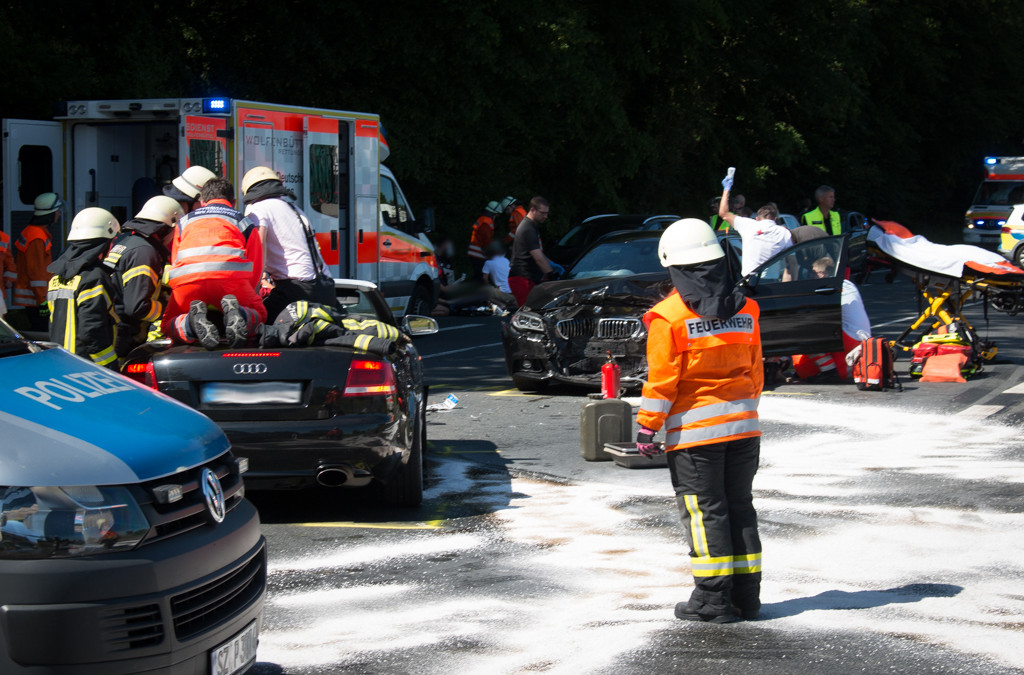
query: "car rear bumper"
284, 455
160, 609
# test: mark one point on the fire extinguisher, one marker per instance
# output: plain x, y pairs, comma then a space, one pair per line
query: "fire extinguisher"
610, 378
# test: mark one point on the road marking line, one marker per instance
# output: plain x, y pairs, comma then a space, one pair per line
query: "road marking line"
787, 393
466, 325
429, 525
889, 323
512, 392
980, 411
458, 351
1018, 389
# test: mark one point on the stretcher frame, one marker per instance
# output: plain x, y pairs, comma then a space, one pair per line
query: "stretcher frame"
941, 298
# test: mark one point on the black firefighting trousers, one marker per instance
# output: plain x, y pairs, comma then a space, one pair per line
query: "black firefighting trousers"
713, 491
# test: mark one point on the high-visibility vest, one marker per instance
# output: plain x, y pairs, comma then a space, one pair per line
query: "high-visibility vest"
8, 271
34, 248
483, 233
816, 219
213, 242
705, 375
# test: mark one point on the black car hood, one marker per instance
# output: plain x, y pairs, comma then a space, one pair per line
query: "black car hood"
641, 290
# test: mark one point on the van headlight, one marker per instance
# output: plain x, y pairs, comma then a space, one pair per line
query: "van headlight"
56, 522
527, 321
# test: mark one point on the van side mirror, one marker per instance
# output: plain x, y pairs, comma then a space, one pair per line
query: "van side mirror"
426, 221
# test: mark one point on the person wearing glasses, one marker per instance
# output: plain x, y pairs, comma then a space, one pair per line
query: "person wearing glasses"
529, 264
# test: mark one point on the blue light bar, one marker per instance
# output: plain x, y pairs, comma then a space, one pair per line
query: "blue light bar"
991, 161
215, 105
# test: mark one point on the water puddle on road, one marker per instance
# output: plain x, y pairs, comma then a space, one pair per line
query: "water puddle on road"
888, 523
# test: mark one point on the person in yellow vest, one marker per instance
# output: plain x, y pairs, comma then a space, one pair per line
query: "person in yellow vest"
824, 217
33, 253
703, 385
80, 295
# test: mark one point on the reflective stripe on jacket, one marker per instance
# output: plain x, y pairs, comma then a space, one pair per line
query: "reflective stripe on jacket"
705, 375
816, 219
215, 242
34, 255
80, 316
483, 234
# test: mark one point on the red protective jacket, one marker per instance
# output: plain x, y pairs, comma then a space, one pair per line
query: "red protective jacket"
483, 234
215, 242
34, 256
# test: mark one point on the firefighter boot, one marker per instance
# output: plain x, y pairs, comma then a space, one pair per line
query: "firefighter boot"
712, 607
204, 331
236, 329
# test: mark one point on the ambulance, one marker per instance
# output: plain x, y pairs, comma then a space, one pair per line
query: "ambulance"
117, 153
1003, 187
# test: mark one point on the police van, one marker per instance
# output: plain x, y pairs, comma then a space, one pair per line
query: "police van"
126, 541
116, 153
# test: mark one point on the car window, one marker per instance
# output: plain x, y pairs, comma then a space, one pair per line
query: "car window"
358, 304
814, 259
618, 258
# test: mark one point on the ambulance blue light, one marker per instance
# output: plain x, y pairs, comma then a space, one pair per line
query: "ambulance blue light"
215, 105
991, 161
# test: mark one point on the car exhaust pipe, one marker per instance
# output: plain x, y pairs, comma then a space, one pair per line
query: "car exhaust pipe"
333, 476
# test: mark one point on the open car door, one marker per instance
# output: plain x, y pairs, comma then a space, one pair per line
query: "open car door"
800, 294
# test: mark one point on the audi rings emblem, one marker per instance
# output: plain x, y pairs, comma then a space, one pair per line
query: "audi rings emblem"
249, 368
213, 493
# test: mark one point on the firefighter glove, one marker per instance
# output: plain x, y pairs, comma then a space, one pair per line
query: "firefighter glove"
645, 443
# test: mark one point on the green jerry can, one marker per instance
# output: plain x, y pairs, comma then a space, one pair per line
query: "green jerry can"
608, 420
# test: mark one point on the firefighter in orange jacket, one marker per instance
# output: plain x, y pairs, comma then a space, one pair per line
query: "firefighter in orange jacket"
33, 255
483, 234
705, 378
216, 259
8, 271
515, 212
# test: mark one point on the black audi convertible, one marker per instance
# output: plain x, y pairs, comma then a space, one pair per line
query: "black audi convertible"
329, 415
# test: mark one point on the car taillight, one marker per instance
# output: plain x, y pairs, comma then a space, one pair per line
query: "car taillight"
143, 373
250, 355
370, 378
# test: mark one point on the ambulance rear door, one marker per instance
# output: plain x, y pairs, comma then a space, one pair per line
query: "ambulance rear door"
33, 163
204, 143
366, 189
326, 185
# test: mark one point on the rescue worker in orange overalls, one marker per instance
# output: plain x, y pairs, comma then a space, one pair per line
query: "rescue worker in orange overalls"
514, 212
33, 254
216, 259
705, 378
483, 235
8, 271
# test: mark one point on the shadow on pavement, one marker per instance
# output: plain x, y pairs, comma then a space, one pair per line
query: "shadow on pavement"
841, 600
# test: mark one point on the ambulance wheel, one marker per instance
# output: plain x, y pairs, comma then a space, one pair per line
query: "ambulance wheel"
419, 302
405, 487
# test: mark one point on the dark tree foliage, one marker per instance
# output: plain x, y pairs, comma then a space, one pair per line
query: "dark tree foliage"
600, 107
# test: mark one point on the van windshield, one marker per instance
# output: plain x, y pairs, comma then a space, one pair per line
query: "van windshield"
1000, 193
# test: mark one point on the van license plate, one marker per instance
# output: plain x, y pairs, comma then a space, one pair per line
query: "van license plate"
235, 654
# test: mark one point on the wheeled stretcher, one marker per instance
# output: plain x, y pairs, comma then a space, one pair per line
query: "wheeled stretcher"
946, 278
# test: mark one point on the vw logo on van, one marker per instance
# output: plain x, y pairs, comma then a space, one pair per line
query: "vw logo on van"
249, 368
213, 493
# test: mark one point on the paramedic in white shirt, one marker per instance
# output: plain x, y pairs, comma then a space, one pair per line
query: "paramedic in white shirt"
287, 256
762, 237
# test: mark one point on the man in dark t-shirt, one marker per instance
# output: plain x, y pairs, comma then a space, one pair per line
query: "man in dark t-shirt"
529, 264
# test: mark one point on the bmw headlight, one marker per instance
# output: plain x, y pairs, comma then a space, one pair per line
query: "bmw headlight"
527, 321
55, 522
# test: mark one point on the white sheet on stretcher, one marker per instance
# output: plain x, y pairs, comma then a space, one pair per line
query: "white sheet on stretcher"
927, 255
